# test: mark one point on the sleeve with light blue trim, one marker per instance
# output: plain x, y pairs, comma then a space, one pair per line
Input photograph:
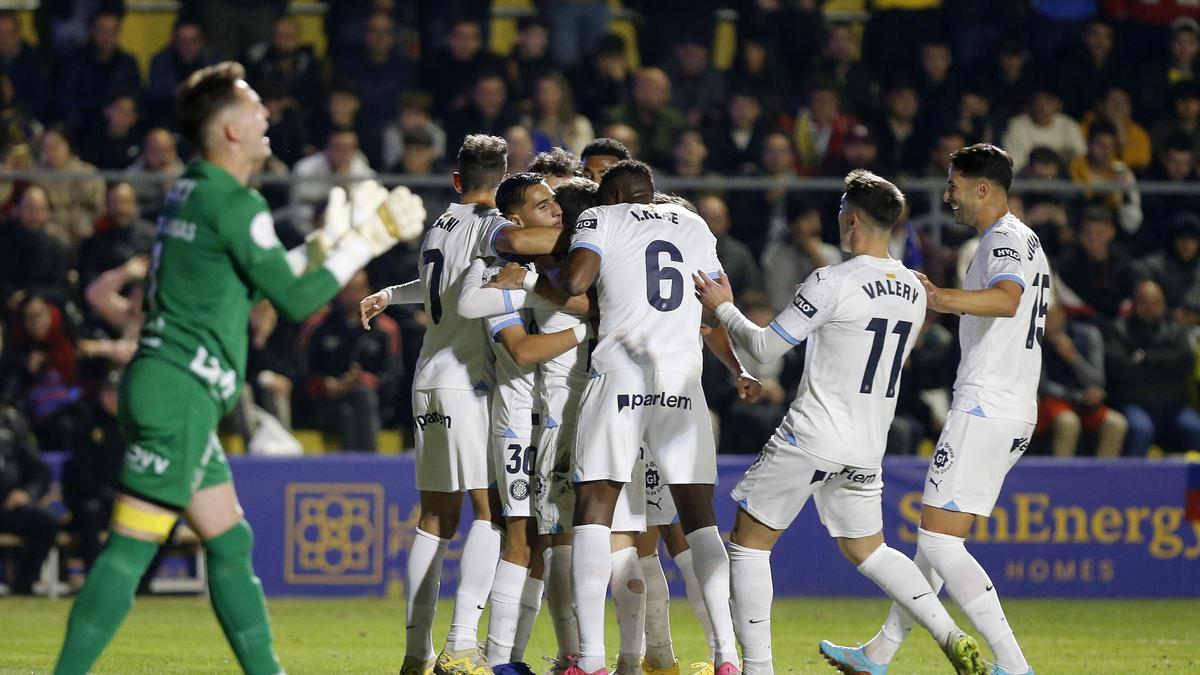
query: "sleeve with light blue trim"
495, 324
713, 267
813, 305
1003, 259
487, 245
591, 230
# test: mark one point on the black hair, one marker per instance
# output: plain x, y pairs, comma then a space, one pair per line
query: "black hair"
556, 162
875, 197
510, 196
1101, 127
482, 161
575, 196
986, 161
605, 147
630, 177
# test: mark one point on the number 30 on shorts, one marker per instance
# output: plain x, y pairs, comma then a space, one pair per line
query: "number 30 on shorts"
521, 459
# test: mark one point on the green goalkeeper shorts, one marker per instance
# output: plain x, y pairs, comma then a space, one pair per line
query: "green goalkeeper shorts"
170, 424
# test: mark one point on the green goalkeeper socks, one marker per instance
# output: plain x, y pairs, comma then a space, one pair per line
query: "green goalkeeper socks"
237, 598
106, 598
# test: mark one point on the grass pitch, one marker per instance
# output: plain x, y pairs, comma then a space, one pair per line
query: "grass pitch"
180, 635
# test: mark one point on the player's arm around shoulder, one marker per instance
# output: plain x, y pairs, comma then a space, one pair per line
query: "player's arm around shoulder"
1001, 256
527, 350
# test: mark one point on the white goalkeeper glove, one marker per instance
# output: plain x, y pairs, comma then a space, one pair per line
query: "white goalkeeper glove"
393, 217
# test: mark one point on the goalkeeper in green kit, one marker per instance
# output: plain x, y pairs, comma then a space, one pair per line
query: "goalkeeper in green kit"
215, 256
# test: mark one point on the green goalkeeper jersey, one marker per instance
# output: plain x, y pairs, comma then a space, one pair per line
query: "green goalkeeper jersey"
216, 254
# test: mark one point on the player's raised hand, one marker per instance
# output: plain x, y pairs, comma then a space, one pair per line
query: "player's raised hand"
712, 293
749, 389
511, 277
388, 218
932, 293
370, 307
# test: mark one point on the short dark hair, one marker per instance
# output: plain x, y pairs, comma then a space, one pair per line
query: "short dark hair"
575, 196
205, 94
1101, 127
1098, 213
628, 175
875, 197
510, 196
605, 147
482, 161
556, 162
986, 161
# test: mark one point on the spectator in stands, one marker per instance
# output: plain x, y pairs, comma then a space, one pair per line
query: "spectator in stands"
520, 147
32, 259
1181, 65
1100, 164
1177, 269
414, 113
235, 27
348, 370
797, 28
1148, 355
454, 70
121, 233
337, 164
1102, 275
44, 346
418, 158
627, 136
1010, 82
757, 71
576, 27
938, 82
160, 159
172, 66
22, 64
603, 83
1046, 212
486, 112
24, 478
286, 125
860, 151
88, 76
91, 473
1176, 164
821, 130
555, 122
736, 259
529, 60
341, 111
1091, 67
377, 72
1183, 116
1057, 24
17, 125
1044, 125
786, 264
649, 112
271, 363
1116, 108
905, 244
75, 202
903, 147
689, 157
1071, 393
697, 88
120, 142
285, 63
973, 115
736, 140
761, 217
948, 141
115, 297
839, 65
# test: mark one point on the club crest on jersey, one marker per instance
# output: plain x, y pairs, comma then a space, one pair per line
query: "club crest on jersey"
585, 224
806, 308
1006, 252
519, 489
943, 458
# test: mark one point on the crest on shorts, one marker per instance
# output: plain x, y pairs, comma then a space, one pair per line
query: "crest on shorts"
943, 458
541, 485
519, 489
653, 479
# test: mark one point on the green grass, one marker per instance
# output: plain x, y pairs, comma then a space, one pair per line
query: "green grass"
180, 635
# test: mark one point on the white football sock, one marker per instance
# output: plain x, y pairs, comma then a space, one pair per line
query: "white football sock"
506, 606
973, 591
711, 563
560, 599
883, 647
752, 591
684, 562
629, 599
477, 570
591, 567
660, 653
424, 581
897, 576
531, 605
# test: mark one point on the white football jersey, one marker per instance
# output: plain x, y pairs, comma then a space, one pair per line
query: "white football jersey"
649, 314
1002, 357
455, 354
512, 400
861, 318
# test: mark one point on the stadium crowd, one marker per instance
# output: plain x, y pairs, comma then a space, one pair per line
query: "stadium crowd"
1077, 91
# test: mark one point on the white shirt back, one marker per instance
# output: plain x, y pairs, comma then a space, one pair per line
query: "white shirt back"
514, 382
861, 318
455, 353
649, 314
1002, 357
